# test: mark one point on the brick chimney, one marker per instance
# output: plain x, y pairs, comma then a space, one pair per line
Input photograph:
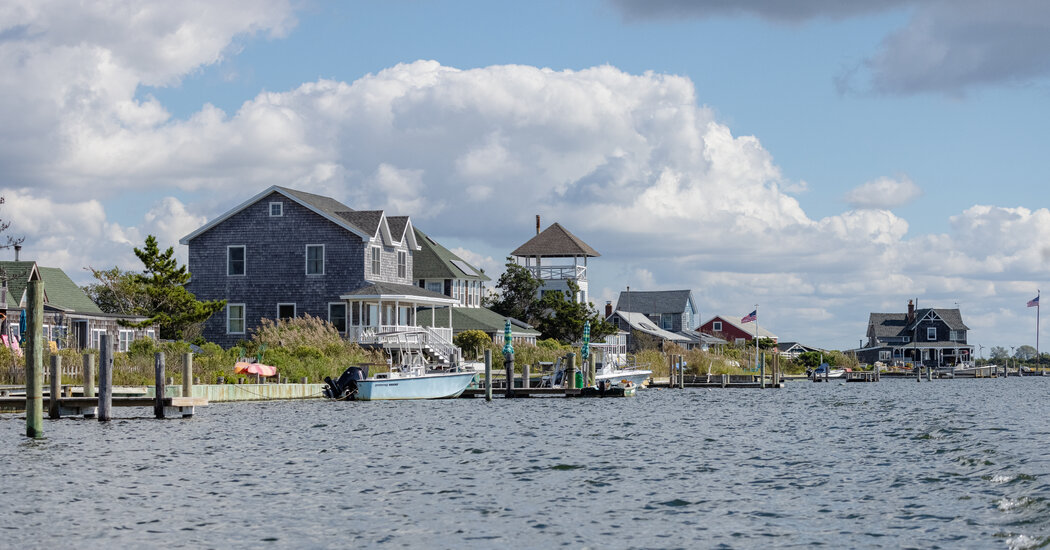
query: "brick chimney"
608, 309
911, 312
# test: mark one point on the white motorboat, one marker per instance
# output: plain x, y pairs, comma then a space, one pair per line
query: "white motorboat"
407, 382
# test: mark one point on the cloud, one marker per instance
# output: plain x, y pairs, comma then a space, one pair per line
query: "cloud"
947, 46
884, 193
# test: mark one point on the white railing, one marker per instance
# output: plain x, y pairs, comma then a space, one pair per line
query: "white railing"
437, 339
559, 273
440, 340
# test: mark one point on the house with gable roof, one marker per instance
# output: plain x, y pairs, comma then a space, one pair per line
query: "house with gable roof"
286, 253
930, 336
547, 257
731, 330
71, 319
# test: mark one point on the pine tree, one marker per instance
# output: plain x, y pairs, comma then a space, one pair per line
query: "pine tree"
168, 302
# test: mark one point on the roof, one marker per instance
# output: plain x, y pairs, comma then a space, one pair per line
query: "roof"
654, 301
638, 321
397, 225
394, 291
59, 290
364, 223
892, 325
784, 347
749, 328
555, 242
702, 338
475, 318
433, 261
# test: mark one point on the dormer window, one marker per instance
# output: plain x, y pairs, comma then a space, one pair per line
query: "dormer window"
276, 209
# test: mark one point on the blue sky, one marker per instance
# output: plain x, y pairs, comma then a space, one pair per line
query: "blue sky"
824, 160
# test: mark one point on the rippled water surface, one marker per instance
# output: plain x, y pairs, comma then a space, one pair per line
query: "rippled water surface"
942, 464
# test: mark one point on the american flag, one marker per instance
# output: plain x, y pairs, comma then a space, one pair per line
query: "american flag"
753, 316
1034, 302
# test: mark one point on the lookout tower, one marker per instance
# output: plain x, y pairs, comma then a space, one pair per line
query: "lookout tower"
548, 255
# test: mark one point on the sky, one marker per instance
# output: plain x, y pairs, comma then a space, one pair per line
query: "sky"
819, 159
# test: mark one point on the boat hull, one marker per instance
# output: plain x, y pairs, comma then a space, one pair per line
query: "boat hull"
637, 377
430, 386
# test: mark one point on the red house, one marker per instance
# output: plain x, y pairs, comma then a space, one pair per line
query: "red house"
733, 331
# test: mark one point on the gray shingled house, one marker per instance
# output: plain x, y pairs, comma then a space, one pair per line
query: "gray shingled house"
932, 336
285, 253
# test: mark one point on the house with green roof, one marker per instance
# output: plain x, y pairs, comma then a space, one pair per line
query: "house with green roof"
71, 319
440, 270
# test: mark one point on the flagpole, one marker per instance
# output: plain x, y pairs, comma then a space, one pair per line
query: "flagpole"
756, 337
1038, 305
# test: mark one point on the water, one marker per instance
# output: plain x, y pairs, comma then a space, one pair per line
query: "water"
942, 464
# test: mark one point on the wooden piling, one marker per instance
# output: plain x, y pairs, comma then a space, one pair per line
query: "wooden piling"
508, 362
187, 375
105, 379
89, 375
762, 372
488, 375
681, 372
593, 370
525, 376
34, 354
55, 391
570, 372
159, 388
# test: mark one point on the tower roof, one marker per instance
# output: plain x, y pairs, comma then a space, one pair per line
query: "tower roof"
555, 242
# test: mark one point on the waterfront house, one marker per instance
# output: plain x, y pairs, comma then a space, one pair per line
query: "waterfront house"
71, 319
547, 257
440, 270
792, 350
671, 310
731, 330
286, 253
641, 331
931, 336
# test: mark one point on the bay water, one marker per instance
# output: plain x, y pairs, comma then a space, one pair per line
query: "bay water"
896, 464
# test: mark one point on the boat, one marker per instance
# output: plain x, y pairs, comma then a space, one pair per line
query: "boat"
611, 372
403, 382
825, 371
624, 388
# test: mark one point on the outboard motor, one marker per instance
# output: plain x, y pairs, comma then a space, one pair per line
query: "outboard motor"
346, 386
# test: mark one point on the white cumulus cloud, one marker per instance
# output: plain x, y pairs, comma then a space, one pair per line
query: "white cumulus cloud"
884, 193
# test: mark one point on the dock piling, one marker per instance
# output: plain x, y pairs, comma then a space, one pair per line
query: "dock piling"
762, 371
187, 375
35, 357
525, 376
508, 362
681, 372
488, 375
159, 388
105, 379
55, 391
89, 375
570, 372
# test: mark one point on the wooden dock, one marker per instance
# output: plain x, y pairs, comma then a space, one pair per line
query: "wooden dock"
721, 381
522, 392
87, 407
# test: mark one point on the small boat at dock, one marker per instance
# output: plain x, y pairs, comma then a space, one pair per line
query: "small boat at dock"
408, 382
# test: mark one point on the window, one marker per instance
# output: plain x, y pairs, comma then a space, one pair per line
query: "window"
46, 332
716, 326
884, 355
666, 321
739, 341
436, 287
337, 316
907, 339
151, 334
375, 260
58, 334
955, 335
235, 318
96, 337
285, 311
124, 338
315, 259
235, 260
931, 333
402, 264
276, 209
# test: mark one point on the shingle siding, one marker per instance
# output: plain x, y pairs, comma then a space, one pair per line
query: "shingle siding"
275, 270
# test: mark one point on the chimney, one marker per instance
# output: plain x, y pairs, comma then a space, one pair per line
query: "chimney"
537, 224
911, 312
18, 248
608, 309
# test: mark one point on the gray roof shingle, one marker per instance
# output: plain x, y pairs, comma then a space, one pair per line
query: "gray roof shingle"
555, 242
654, 301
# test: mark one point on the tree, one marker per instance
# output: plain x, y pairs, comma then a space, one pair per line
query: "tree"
809, 359
999, 353
1025, 353
168, 302
517, 298
473, 340
564, 318
117, 291
766, 343
11, 241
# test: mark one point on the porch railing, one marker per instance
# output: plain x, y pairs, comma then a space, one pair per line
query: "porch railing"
559, 273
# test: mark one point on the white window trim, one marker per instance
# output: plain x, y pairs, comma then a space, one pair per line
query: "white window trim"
346, 315
295, 309
931, 334
244, 256
280, 209
151, 334
96, 340
375, 261
122, 344
716, 326
244, 316
440, 285
402, 264
307, 253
